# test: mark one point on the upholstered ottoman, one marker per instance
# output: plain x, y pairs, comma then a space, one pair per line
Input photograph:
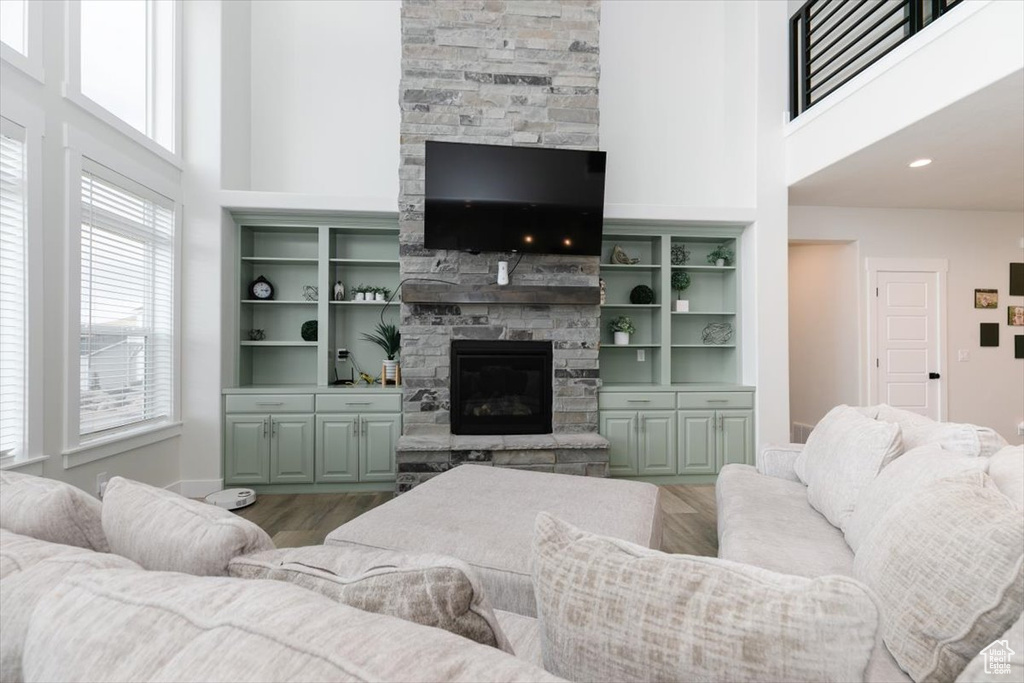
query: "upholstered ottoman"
485, 515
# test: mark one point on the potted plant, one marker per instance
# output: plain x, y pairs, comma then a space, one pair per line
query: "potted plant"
680, 282
381, 293
389, 339
621, 328
359, 292
720, 256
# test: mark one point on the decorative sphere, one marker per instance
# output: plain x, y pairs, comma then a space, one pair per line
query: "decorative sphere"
309, 330
641, 294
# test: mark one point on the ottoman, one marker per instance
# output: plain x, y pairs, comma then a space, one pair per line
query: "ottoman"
485, 515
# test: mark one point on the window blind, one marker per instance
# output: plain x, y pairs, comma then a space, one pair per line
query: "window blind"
127, 308
12, 293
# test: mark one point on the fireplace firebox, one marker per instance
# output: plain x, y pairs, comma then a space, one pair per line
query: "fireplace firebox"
501, 387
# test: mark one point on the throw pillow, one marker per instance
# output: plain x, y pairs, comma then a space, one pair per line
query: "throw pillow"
1007, 471
907, 474
844, 452
610, 610
432, 590
158, 626
50, 511
1002, 660
163, 531
966, 439
946, 564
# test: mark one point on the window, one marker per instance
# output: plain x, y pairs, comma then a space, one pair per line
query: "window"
21, 35
14, 24
13, 250
126, 63
127, 305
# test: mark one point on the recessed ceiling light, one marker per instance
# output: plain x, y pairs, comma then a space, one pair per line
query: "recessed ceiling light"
919, 163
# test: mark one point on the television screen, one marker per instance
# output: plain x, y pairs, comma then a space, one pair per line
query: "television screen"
528, 199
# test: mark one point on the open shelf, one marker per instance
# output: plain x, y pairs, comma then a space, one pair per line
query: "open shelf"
700, 268
703, 346
630, 346
277, 343
630, 305
702, 313
630, 266
265, 302
275, 260
371, 263
364, 303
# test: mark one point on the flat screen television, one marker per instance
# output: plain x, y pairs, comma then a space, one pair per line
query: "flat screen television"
526, 199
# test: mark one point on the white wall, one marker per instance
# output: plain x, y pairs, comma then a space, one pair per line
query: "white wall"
157, 464
324, 98
678, 105
979, 246
823, 328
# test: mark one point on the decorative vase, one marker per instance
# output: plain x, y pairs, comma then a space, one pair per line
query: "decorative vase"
621, 338
379, 296
720, 262
339, 291
390, 370
309, 330
360, 296
682, 306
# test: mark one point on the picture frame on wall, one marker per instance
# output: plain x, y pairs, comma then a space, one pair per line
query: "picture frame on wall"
986, 298
1015, 316
1017, 279
1018, 346
989, 334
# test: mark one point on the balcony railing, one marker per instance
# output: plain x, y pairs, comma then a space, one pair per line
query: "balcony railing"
831, 41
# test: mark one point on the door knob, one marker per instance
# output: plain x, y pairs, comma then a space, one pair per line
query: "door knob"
933, 375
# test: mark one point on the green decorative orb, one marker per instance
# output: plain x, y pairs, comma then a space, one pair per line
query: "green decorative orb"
680, 280
309, 330
642, 294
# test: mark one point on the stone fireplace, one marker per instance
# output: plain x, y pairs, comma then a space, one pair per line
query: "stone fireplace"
507, 72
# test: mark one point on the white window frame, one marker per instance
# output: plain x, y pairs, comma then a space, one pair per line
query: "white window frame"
31, 120
72, 86
32, 63
111, 165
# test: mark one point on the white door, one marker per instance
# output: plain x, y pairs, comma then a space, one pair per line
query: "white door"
907, 365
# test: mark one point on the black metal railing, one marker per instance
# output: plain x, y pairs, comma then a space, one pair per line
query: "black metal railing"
831, 41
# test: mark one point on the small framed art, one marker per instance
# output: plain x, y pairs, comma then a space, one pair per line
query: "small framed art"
986, 298
1015, 316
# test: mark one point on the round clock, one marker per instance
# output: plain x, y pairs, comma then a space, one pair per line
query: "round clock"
261, 289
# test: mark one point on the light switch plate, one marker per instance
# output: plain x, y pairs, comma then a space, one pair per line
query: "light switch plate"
963, 355
641, 356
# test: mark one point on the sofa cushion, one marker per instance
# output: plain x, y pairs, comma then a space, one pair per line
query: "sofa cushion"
1007, 471
484, 516
1003, 659
614, 611
156, 626
166, 532
908, 473
946, 564
844, 452
767, 522
524, 635
42, 566
918, 430
432, 590
50, 510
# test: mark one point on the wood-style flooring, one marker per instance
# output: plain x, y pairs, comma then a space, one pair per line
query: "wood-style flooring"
688, 514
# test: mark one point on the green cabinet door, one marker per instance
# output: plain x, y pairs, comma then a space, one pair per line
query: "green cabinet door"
620, 428
657, 453
735, 437
246, 452
697, 442
291, 449
378, 438
337, 448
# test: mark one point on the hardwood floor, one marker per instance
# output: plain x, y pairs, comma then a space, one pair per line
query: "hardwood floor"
688, 514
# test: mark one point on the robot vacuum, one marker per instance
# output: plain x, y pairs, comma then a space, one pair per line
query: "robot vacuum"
232, 499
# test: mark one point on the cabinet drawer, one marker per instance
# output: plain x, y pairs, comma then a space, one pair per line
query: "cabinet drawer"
269, 403
716, 399
359, 403
636, 401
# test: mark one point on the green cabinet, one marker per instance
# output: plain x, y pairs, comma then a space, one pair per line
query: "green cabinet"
697, 442
337, 448
246, 449
378, 439
642, 442
735, 437
619, 427
291, 449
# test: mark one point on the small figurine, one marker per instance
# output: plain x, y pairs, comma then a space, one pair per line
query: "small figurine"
619, 256
339, 291
367, 378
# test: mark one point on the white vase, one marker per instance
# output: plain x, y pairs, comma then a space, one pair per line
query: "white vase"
390, 369
360, 296
682, 305
720, 262
379, 296
621, 338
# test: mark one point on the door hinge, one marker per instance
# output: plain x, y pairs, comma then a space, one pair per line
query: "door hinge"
877, 365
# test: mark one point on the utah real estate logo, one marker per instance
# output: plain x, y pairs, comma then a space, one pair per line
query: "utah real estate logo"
997, 657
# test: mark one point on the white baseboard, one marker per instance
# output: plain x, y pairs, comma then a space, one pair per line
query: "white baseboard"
196, 488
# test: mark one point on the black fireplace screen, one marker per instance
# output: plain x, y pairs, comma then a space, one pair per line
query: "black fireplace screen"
501, 387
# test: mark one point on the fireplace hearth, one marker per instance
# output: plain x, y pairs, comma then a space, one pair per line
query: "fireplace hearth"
501, 387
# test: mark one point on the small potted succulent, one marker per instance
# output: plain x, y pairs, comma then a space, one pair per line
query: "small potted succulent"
680, 282
621, 328
720, 256
359, 292
389, 339
381, 293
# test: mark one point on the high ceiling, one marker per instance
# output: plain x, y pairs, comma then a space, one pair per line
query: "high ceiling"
977, 148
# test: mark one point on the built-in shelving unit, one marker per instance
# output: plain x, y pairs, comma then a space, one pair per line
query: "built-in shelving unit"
675, 351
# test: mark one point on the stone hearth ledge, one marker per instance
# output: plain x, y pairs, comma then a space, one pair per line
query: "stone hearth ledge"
510, 442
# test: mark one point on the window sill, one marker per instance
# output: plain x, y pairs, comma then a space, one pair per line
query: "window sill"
119, 443
11, 463
137, 136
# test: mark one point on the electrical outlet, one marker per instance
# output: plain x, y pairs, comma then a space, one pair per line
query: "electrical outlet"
101, 484
641, 356
963, 355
